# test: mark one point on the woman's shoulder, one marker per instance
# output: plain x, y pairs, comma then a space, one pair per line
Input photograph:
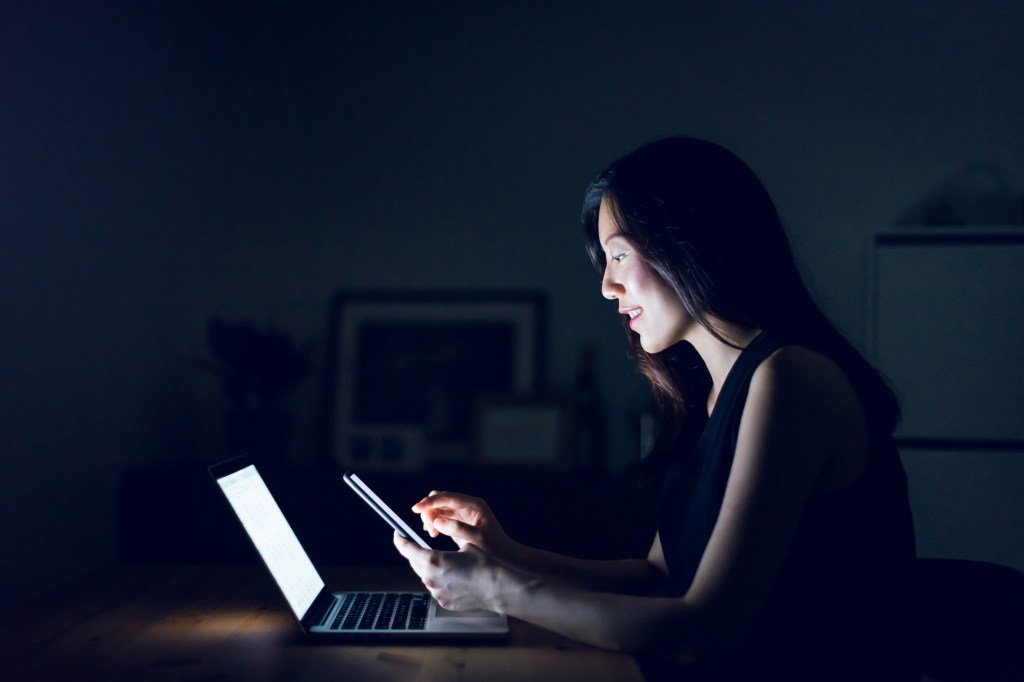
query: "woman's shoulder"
800, 367
815, 399
809, 387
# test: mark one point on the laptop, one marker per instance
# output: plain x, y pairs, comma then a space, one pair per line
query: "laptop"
320, 611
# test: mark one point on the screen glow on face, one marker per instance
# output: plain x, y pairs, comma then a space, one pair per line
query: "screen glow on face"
274, 538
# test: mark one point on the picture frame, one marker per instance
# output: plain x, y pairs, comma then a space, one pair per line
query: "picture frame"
407, 369
534, 432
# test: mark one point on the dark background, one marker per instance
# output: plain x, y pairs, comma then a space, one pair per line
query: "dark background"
165, 162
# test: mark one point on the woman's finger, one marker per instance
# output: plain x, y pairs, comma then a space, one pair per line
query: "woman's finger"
443, 499
458, 530
427, 502
416, 555
428, 521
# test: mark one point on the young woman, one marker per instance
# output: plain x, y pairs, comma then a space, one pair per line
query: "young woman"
784, 541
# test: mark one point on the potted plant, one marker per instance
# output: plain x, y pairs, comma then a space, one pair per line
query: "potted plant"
257, 368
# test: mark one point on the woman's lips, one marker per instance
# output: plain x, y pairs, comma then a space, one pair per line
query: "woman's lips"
633, 313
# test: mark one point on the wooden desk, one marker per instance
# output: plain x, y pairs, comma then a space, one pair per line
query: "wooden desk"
229, 622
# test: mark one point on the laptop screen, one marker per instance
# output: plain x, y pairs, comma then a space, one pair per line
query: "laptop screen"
274, 538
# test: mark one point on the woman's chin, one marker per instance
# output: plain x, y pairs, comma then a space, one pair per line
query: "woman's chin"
651, 347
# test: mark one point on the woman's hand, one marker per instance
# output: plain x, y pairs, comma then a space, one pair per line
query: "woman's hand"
466, 520
460, 581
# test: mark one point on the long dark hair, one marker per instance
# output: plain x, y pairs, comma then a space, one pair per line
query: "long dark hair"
702, 220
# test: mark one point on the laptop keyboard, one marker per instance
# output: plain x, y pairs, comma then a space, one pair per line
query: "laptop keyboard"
381, 611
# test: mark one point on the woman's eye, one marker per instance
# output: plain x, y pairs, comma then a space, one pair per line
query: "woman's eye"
618, 256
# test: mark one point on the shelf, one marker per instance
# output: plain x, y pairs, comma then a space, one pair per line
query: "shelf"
952, 234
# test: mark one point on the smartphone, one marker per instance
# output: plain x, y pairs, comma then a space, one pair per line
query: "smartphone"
387, 513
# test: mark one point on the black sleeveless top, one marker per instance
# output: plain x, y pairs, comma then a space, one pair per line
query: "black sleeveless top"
840, 607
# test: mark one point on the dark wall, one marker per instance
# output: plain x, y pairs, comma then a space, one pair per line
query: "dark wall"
164, 162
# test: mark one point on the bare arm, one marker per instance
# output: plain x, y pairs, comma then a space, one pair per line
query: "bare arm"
797, 405
624, 576
469, 520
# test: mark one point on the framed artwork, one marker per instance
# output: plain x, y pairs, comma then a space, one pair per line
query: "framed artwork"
525, 431
408, 370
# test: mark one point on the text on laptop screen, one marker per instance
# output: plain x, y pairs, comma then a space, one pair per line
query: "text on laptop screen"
274, 538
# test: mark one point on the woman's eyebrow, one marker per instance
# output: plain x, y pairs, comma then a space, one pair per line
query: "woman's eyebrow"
612, 236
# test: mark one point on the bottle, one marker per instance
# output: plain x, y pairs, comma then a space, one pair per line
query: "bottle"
588, 415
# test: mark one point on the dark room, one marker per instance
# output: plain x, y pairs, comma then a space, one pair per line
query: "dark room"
330, 237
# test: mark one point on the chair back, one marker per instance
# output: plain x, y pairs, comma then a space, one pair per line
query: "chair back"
969, 620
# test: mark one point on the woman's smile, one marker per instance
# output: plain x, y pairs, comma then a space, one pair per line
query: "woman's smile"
634, 314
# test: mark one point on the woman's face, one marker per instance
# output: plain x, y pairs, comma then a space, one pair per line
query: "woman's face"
655, 312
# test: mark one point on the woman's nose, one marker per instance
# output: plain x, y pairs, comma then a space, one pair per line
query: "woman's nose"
610, 289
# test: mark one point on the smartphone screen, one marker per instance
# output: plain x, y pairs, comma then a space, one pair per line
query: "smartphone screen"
383, 510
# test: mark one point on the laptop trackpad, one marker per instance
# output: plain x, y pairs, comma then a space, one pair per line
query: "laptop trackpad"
441, 612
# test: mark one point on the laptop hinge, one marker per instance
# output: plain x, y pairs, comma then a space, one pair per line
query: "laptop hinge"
318, 611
